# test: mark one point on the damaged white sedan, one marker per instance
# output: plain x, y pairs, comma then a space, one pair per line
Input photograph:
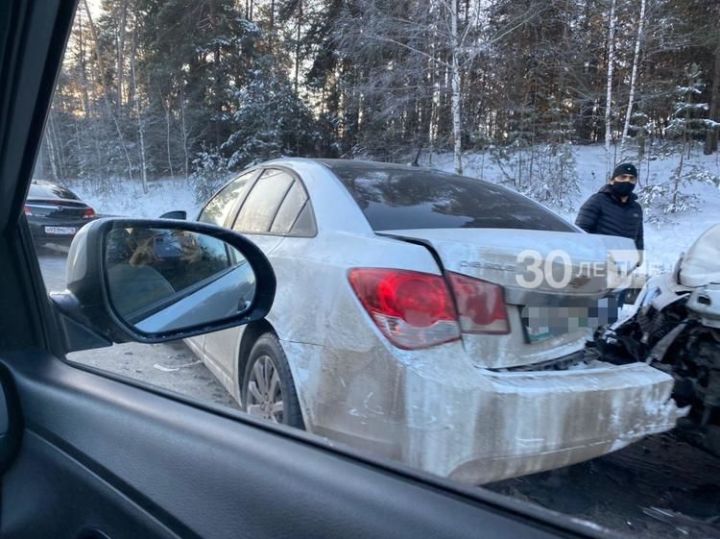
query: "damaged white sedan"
430, 318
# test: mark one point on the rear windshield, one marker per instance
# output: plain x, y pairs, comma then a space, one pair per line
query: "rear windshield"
48, 190
401, 198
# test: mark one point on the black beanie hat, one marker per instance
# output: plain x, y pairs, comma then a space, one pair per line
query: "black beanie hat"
624, 168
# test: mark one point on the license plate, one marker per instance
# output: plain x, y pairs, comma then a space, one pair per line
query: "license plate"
536, 333
541, 323
60, 230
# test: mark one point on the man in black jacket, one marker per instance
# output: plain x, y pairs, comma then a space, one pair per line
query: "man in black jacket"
615, 211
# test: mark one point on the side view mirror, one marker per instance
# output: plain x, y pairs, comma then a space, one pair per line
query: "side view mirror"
180, 215
153, 281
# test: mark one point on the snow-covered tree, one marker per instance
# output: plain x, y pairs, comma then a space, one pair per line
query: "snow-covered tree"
547, 173
610, 69
687, 122
271, 121
633, 76
387, 80
210, 172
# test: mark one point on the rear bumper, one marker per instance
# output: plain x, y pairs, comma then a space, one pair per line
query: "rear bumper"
434, 411
545, 420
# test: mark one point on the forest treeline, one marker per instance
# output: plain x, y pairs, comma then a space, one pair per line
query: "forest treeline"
156, 88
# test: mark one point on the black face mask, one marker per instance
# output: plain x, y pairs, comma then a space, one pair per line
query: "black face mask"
622, 189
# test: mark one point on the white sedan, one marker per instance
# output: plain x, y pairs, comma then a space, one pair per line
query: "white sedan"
405, 322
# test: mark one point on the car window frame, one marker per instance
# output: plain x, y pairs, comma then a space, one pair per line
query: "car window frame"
238, 203
283, 202
308, 203
273, 214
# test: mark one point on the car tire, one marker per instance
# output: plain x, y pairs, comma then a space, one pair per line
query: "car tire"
267, 382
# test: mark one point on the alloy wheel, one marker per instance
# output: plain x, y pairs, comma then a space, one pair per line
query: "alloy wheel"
264, 391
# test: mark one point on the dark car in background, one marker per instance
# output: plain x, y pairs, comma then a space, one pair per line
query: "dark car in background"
54, 213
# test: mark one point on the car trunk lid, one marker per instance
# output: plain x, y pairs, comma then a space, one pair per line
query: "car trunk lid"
552, 282
56, 208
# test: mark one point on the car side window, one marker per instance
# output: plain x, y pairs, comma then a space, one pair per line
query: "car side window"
217, 211
295, 206
262, 203
304, 225
289, 209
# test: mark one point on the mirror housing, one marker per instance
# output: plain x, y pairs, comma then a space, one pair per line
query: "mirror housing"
180, 215
85, 309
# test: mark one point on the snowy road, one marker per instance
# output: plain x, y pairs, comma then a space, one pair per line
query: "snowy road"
658, 488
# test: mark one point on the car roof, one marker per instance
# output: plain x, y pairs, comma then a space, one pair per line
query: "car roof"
346, 164
369, 165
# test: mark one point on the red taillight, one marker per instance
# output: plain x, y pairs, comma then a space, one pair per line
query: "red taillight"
412, 309
481, 305
27, 210
89, 213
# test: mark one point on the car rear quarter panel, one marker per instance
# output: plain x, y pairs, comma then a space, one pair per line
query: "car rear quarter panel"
331, 342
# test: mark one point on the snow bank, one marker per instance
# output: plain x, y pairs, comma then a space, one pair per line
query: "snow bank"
126, 198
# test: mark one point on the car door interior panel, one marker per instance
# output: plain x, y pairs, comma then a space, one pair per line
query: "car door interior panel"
11, 426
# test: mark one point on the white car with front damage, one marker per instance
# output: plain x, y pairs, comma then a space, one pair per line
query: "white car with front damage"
430, 318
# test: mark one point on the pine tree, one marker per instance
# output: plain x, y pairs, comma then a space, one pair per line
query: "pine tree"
271, 121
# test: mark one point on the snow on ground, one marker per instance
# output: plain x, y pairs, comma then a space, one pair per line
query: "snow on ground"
126, 198
664, 242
